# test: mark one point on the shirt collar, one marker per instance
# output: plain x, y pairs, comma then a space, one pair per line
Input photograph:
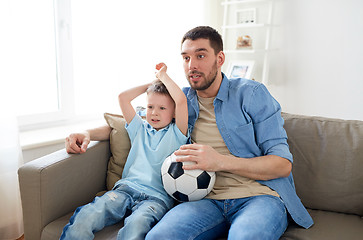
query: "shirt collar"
223, 89
152, 130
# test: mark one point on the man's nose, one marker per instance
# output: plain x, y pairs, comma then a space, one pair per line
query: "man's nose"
193, 64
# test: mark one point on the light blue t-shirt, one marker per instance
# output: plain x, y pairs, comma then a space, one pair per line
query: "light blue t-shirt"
149, 148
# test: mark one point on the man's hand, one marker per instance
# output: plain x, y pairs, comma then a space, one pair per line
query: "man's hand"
257, 168
204, 157
77, 142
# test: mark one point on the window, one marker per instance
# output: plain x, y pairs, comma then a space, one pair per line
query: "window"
116, 45
31, 56
75, 57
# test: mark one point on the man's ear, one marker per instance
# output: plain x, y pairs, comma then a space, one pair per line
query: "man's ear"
220, 58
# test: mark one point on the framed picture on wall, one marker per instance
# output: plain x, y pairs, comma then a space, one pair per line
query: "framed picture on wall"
244, 42
246, 16
240, 69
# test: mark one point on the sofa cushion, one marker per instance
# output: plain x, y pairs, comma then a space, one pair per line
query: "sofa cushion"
327, 225
54, 229
120, 146
328, 162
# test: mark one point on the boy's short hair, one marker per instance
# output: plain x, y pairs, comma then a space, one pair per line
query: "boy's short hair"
205, 32
158, 87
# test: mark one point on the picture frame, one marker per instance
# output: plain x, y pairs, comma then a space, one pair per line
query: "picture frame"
240, 69
246, 16
244, 42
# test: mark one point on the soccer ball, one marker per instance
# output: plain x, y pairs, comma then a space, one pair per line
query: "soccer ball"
185, 185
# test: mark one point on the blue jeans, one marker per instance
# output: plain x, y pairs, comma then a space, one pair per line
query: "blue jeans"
259, 217
143, 213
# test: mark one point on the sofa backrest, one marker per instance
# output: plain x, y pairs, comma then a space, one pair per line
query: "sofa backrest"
328, 162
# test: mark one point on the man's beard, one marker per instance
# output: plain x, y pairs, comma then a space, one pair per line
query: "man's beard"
207, 82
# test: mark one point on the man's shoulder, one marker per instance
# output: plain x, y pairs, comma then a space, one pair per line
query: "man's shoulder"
239, 87
243, 83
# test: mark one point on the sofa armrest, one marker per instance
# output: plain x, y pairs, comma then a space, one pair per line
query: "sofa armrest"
56, 184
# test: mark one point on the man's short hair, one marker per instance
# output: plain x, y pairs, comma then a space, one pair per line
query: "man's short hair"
205, 32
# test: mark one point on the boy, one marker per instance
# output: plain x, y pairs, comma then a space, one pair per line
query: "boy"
140, 193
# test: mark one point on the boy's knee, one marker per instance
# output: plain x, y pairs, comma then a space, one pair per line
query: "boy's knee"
76, 232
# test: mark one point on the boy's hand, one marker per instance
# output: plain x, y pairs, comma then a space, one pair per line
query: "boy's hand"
161, 67
77, 142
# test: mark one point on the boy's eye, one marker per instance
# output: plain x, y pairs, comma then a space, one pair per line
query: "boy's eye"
162, 108
150, 107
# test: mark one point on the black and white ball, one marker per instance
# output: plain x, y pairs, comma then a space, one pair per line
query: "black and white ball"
185, 185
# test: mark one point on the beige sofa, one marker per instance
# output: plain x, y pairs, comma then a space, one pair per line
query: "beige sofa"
328, 173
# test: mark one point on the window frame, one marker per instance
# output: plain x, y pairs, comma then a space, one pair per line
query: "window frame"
64, 73
67, 90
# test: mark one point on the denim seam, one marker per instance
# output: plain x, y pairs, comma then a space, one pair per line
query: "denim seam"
205, 230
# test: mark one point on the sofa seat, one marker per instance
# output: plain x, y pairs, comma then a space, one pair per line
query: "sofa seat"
54, 229
328, 226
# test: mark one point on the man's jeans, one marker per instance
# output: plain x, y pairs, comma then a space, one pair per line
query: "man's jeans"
111, 208
259, 217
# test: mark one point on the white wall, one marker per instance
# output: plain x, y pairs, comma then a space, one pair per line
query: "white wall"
30, 154
319, 68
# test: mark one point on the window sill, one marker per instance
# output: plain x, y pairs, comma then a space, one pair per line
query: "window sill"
32, 139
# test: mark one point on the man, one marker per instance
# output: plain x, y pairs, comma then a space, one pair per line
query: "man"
237, 130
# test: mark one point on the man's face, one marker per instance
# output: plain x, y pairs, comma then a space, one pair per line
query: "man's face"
200, 64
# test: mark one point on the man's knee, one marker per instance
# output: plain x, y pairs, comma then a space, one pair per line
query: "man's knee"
155, 234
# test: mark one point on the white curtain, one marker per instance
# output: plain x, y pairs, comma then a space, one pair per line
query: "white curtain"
11, 219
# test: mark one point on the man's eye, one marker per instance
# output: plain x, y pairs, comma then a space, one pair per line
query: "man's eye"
200, 56
186, 58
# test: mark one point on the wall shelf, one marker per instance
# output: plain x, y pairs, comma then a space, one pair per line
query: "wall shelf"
243, 1
249, 51
248, 25
258, 30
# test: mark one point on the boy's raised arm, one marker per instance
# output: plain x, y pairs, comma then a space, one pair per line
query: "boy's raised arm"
181, 107
125, 99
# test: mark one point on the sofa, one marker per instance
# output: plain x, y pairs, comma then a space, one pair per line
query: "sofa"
327, 169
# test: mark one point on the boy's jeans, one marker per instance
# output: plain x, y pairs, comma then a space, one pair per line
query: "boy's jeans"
111, 208
259, 217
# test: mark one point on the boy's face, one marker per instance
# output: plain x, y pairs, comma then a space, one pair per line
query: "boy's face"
160, 110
